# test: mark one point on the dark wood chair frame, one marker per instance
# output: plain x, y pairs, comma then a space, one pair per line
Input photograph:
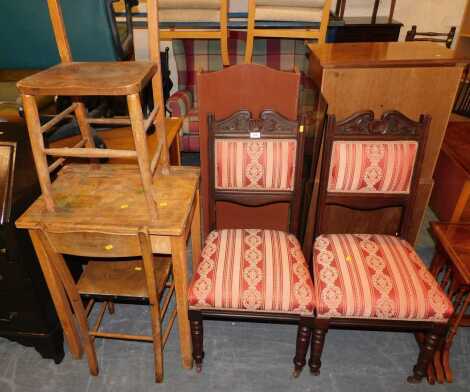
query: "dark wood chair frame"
363, 127
241, 126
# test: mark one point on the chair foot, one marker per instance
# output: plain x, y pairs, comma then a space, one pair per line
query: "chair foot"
301, 347
296, 373
414, 379
198, 367
314, 372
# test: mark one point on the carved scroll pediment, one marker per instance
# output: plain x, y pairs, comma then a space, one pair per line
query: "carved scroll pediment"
391, 123
242, 121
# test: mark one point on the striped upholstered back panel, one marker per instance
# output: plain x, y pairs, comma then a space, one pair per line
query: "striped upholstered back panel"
245, 164
372, 167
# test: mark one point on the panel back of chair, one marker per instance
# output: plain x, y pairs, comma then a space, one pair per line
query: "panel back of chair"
369, 165
254, 88
256, 162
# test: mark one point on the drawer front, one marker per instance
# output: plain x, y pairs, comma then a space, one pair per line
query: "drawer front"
18, 300
23, 322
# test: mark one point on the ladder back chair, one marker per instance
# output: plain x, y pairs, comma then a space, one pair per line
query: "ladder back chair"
305, 12
78, 79
125, 271
195, 19
368, 280
253, 273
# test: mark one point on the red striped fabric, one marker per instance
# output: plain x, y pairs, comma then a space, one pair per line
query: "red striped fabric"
267, 164
373, 167
375, 276
252, 270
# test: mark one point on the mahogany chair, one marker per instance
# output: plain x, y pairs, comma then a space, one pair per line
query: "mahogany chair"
253, 273
305, 12
126, 270
79, 79
200, 19
367, 280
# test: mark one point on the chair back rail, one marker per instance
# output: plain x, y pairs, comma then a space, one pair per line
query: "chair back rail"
364, 132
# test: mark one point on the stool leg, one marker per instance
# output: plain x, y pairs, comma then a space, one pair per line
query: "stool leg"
85, 129
140, 140
157, 342
37, 146
58, 264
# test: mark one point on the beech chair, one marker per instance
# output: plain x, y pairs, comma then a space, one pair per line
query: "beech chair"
126, 271
195, 19
253, 273
306, 12
78, 79
367, 280
430, 36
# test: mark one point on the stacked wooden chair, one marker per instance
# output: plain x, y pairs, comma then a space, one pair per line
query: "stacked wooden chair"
375, 280
122, 231
207, 19
312, 16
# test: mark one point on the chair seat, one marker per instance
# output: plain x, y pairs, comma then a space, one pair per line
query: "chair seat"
375, 277
91, 78
252, 270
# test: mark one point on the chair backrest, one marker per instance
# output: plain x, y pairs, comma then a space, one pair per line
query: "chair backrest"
195, 19
312, 15
254, 88
256, 162
369, 165
28, 39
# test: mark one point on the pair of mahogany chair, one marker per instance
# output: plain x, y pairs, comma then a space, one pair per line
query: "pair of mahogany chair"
360, 280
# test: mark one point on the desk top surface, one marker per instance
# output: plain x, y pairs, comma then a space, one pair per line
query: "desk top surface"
380, 54
110, 197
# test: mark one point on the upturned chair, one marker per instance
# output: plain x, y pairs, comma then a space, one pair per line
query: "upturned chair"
78, 79
312, 15
374, 280
126, 271
253, 273
200, 19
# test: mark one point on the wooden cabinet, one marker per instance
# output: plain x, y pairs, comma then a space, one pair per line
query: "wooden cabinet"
412, 77
463, 42
27, 314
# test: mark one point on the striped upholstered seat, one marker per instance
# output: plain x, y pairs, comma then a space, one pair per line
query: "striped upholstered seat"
252, 270
267, 164
375, 276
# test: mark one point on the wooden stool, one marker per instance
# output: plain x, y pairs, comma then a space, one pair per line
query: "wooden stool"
92, 79
143, 280
285, 10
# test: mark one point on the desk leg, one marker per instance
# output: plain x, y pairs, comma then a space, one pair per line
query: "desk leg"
180, 273
59, 297
196, 233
